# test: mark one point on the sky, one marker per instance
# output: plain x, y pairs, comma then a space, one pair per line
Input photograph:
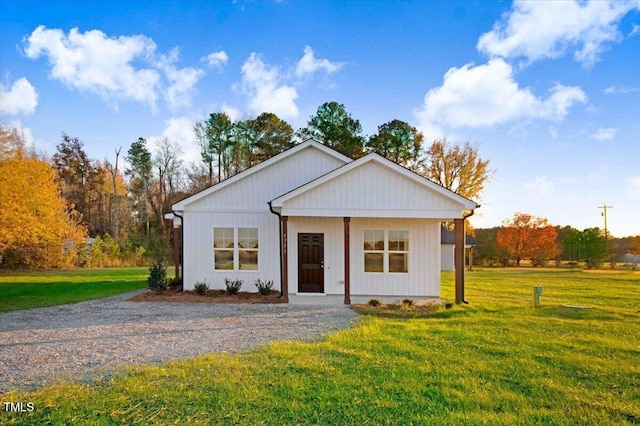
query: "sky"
549, 92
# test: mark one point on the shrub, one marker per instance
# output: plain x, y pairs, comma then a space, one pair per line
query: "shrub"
233, 286
201, 287
264, 287
448, 305
175, 282
157, 280
407, 304
539, 261
591, 263
374, 302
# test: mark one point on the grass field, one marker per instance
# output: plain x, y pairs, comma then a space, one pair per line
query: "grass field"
26, 290
497, 361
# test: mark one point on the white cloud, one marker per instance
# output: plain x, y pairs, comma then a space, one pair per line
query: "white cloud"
309, 64
216, 59
547, 29
21, 98
553, 132
634, 31
264, 85
181, 81
486, 95
115, 68
539, 186
619, 90
633, 187
233, 113
561, 99
179, 130
97, 63
605, 134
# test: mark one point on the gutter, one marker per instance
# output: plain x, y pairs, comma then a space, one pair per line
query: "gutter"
464, 218
280, 239
181, 245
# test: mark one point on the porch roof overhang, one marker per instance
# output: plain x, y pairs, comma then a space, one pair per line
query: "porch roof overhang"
373, 187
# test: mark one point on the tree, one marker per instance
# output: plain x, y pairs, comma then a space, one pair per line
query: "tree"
269, 136
168, 164
336, 128
115, 197
486, 251
457, 167
80, 180
214, 136
569, 242
593, 247
527, 236
37, 227
399, 142
139, 173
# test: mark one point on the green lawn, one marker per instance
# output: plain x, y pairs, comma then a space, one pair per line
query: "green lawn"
26, 290
497, 361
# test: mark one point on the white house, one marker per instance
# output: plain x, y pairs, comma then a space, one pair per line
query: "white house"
447, 248
319, 223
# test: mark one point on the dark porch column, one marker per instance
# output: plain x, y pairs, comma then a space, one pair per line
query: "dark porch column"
459, 259
177, 234
285, 260
347, 263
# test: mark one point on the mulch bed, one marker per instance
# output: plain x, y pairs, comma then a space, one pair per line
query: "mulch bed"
175, 294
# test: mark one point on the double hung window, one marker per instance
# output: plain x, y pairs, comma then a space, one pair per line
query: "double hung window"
386, 250
235, 249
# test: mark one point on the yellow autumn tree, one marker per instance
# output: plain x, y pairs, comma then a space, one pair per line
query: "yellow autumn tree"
37, 228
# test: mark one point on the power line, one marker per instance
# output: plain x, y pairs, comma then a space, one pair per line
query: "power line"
604, 213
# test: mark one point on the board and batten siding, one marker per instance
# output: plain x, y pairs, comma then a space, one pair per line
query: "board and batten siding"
422, 280
253, 192
243, 203
369, 189
448, 256
198, 253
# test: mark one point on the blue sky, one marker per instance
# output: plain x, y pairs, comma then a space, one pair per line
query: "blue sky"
549, 92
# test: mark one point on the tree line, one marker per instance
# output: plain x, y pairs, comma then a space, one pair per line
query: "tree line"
533, 238
110, 212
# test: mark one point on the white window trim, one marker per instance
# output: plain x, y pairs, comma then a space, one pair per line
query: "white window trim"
385, 255
236, 250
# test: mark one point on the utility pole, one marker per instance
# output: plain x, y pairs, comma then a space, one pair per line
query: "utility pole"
606, 235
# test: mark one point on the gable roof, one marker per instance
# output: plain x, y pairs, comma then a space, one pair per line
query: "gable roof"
376, 159
310, 143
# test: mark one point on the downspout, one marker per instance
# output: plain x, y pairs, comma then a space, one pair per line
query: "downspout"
464, 218
280, 238
181, 245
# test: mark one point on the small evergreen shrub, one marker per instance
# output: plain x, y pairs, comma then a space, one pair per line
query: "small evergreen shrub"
157, 280
374, 302
233, 286
201, 287
264, 287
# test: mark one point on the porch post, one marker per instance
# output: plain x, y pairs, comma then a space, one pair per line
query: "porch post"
176, 249
347, 273
285, 260
459, 259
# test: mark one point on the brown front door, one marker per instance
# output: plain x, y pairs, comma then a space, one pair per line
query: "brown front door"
311, 263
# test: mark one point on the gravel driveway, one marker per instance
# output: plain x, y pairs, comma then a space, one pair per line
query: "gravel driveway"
89, 339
